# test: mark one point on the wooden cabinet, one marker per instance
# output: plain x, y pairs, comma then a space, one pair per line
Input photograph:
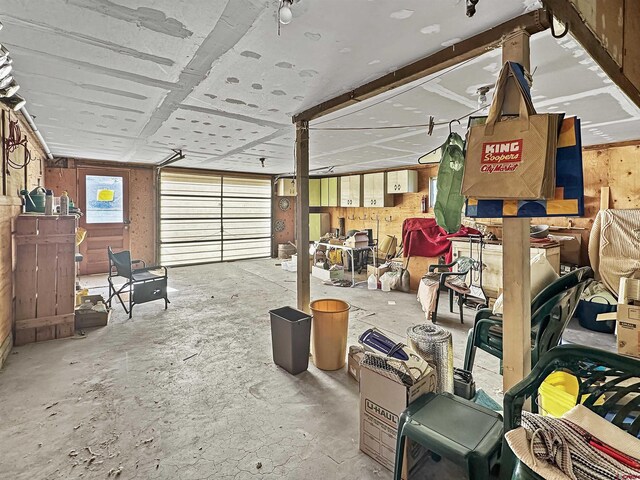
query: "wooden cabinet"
286, 187
375, 191
329, 192
402, 181
314, 192
319, 224
45, 277
492, 258
351, 191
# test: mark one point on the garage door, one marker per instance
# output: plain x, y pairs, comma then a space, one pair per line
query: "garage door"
213, 218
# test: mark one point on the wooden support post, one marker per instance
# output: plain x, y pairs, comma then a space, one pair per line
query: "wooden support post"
303, 288
516, 254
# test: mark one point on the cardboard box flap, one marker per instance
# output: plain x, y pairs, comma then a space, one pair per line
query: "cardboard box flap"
405, 373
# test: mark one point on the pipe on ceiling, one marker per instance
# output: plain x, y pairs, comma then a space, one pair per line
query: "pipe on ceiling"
37, 133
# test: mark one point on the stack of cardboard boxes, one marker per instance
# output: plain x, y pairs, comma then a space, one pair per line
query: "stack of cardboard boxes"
387, 387
628, 317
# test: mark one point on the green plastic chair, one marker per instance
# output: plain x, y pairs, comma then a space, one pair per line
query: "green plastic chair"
600, 373
487, 331
454, 428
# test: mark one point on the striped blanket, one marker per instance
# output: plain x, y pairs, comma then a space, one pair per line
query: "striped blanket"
562, 448
613, 246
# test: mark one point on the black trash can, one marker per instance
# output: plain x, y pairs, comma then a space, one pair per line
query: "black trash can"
290, 338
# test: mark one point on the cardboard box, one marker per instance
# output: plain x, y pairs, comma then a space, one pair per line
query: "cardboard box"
570, 246
356, 352
358, 240
629, 330
383, 398
325, 275
377, 271
87, 318
418, 266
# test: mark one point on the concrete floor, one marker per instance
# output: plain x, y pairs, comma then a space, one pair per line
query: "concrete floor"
132, 397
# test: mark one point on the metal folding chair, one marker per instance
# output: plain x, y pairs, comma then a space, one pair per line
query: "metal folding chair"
143, 285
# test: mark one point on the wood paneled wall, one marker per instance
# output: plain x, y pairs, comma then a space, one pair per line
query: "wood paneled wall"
610, 166
11, 182
613, 165
142, 199
289, 218
386, 221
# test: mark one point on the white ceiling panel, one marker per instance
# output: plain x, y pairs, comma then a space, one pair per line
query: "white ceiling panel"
129, 80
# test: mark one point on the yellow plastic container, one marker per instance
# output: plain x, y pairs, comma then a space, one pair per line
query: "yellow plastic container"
559, 393
329, 333
79, 294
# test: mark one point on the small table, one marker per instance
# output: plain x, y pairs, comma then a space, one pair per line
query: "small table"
454, 428
350, 253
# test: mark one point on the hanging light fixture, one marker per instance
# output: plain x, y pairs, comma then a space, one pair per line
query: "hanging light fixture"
482, 95
285, 15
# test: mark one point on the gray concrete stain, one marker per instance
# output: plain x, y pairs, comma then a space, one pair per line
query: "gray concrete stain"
113, 91
71, 99
278, 93
232, 80
250, 54
284, 65
256, 86
308, 73
145, 17
235, 116
87, 39
92, 67
236, 20
313, 36
235, 101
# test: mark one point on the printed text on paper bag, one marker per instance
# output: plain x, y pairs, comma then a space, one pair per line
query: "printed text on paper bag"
501, 156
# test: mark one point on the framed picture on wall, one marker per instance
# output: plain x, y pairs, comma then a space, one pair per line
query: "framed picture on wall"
433, 191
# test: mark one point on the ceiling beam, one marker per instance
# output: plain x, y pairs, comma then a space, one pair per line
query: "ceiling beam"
532, 22
566, 12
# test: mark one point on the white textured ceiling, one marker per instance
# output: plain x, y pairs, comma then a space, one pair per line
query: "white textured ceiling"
129, 80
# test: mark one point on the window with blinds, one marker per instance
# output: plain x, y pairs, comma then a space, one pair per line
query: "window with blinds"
211, 218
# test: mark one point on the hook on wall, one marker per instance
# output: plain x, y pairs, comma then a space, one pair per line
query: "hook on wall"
387, 219
352, 217
363, 218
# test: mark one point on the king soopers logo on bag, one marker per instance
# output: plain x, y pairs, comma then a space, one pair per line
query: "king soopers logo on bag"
501, 156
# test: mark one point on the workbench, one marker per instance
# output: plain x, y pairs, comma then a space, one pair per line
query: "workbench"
350, 251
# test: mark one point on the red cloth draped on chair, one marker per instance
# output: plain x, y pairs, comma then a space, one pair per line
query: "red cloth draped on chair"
422, 237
